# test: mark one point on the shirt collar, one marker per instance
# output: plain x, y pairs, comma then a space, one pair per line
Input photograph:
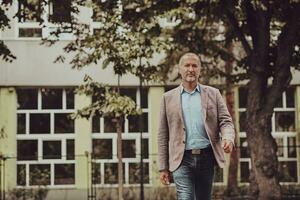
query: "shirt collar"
196, 89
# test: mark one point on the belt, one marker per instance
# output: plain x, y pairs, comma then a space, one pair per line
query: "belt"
199, 151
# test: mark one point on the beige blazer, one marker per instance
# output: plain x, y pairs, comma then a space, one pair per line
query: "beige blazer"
171, 133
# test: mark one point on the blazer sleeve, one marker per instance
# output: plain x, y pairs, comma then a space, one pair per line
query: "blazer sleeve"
224, 119
163, 138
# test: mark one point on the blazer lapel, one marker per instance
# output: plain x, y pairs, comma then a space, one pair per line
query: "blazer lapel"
203, 94
178, 104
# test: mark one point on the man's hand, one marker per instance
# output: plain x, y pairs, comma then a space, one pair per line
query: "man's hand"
227, 146
165, 177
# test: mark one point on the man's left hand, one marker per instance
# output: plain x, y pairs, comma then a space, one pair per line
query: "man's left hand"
227, 146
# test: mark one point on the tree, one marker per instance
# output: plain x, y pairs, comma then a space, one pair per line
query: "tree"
268, 33
5, 52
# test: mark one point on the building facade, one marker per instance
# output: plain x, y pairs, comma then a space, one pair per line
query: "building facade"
41, 147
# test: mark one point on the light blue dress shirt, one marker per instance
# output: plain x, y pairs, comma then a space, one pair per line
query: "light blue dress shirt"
196, 136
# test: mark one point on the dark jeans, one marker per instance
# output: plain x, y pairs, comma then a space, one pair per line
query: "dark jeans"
194, 177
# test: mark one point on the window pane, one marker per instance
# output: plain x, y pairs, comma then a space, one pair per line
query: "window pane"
27, 150
285, 121
144, 100
292, 147
51, 149
61, 11
111, 173
128, 148
29, 11
242, 121
39, 123
39, 174
102, 148
279, 102
133, 123
96, 124
135, 173
245, 172
288, 171
130, 92
110, 125
21, 124
52, 99
243, 93
27, 98
145, 151
63, 123
70, 98
290, 97
21, 174
96, 173
280, 146
218, 175
64, 174
244, 148
30, 32
70, 150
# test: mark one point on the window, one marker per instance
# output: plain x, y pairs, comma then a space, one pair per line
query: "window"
60, 11
283, 125
29, 11
45, 137
105, 167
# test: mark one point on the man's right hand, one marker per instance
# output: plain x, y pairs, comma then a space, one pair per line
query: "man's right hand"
165, 177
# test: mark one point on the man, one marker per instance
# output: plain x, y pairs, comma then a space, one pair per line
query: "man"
189, 144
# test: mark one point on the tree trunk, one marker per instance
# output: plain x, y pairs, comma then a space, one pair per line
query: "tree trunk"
120, 163
262, 145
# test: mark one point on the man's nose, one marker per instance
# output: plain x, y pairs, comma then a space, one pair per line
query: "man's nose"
190, 68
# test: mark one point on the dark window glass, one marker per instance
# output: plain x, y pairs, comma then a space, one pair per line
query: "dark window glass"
70, 150
63, 123
27, 150
243, 95
218, 177
96, 176
288, 171
130, 92
279, 102
245, 172
61, 11
244, 148
170, 87
64, 174
52, 99
242, 121
133, 123
290, 97
21, 174
144, 100
145, 151
135, 173
39, 174
102, 148
30, 32
110, 125
51, 149
128, 149
39, 123
21, 124
96, 124
280, 147
27, 98
285, 121
29, 11
111, 173
292, 147
70, 98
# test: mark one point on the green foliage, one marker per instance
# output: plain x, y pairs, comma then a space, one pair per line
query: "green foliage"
106, 102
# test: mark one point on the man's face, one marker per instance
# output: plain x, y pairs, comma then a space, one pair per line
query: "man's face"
189, 69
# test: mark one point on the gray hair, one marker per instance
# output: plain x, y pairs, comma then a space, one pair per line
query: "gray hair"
189, 54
